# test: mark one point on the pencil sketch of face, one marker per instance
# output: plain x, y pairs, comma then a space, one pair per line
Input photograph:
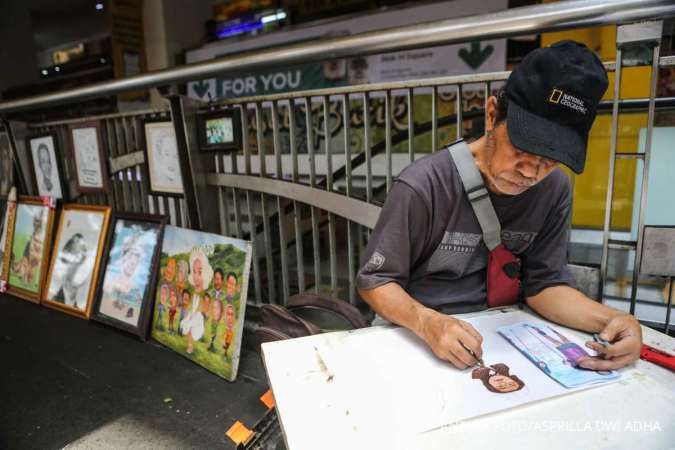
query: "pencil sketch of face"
88, 164
496, 378
45, 165
167, 157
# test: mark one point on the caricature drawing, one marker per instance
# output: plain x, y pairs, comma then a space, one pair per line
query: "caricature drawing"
496, 378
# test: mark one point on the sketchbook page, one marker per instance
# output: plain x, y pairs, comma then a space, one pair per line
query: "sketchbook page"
409, 390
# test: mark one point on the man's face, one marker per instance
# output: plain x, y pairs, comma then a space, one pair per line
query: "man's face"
170, 270
218, 281
509, 170
181, 275
44, 161
231, 285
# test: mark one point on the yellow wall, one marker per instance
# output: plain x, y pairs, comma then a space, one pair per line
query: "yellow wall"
590, 188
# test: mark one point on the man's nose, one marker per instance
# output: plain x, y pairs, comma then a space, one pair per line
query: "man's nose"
528, 165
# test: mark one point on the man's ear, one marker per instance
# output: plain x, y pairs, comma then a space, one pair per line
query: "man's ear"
491, 113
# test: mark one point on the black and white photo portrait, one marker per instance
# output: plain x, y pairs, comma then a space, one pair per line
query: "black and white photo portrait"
46, 165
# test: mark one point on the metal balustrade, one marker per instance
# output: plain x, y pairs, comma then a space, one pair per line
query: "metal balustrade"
123, 144
314, 167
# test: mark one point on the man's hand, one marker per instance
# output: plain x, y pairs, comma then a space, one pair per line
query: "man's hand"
449, 338
625, 337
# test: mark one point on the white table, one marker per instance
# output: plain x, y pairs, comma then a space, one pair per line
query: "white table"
637, 412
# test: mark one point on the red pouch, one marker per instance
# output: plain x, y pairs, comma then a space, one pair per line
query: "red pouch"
503, 283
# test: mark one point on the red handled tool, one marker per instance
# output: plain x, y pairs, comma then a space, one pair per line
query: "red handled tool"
657, 356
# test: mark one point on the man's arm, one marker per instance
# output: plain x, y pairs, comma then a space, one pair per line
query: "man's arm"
571, 308
447, 336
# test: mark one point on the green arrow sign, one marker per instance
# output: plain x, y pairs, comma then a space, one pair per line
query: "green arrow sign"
475, 57
201, 88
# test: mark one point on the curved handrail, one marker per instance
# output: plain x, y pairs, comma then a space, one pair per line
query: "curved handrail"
352, 209
512, 22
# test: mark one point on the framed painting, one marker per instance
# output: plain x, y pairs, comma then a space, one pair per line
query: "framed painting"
30, 247
6, 164
219, 130
163, 161
89, 157
76, 258
7, 216
47, 166
124, 294
200, 299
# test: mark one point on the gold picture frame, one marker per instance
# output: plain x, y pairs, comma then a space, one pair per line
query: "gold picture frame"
76, 259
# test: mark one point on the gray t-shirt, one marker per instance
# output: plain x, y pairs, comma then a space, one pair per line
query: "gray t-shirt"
428, 240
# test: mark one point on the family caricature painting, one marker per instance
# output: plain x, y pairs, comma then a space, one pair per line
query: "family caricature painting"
201, 298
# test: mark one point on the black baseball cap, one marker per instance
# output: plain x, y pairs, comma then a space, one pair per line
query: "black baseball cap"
552, 99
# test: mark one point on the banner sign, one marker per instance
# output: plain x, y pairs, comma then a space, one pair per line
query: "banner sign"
447, 60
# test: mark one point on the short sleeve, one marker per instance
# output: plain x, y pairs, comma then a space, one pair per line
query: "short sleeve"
398, 239
545, 262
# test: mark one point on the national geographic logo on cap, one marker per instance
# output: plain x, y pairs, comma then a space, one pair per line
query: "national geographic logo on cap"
560, 98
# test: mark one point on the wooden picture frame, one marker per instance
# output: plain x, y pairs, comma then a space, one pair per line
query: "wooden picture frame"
129, 234
219, 130
46, 158
7, 216
89, 157
162, 157
30, 251
76, 258
6, 164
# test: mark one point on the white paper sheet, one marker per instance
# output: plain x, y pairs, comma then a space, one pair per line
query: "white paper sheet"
421, 393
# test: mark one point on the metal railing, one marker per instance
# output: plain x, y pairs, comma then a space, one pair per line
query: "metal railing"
123, 144
517, 21
300, 188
